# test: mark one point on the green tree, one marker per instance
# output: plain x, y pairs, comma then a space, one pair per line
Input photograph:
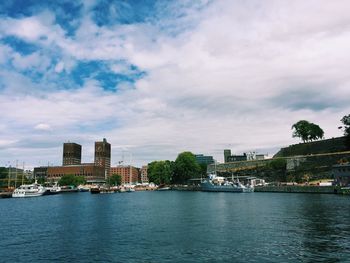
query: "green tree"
70, 179
346, 127
3, 177
160, 172
203, 167
185, 168
114, 179
307, 131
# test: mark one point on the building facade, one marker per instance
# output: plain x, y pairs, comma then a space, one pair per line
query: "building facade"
227, 153
89, 171
144, 174
128, 173
341, 173
71, 153
203, 159
103, 156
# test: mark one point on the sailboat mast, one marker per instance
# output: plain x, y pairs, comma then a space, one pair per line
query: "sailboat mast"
23, 174
9, 176
16, 174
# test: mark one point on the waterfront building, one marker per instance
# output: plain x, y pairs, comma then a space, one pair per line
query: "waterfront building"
103, 156
227, 153
237, 158
71, 153
341, 173
40, 172
250, 156
128, 173
144, 174
91, 172
202, 159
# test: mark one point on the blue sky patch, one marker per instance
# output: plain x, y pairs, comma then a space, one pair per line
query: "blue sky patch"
123, 12
100, 70
19, 45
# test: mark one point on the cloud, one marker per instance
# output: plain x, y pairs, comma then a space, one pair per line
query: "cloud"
42, 127
198, 76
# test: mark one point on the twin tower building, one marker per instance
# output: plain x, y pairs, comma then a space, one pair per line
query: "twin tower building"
72, 154
97, 171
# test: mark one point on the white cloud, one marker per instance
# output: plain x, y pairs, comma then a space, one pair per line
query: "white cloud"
239, 77
42, 127
59, 67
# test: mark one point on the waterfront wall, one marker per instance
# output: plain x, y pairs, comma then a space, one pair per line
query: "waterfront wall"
300, 189
297, 168
332, 145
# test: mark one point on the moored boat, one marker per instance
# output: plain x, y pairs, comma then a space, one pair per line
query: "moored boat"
29, 190
220, 184
52, 190
95, 190
163, 188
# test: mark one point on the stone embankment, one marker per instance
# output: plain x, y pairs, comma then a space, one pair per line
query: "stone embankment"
300, 189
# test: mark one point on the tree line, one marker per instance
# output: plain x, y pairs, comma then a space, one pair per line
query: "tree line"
185, 167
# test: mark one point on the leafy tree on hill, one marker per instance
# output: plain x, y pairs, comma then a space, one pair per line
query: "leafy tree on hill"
346, 122
114, 179
185, 167
160, 172
307, 131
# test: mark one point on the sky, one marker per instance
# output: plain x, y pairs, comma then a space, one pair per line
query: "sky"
156, 78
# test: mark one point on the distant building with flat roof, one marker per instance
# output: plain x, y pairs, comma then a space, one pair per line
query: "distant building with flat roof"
203, 159
129, 174
250, 156
144, 174
89, 171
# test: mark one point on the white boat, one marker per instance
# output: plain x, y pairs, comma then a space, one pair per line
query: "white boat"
163, 188
52, 190
129, 189
29, 190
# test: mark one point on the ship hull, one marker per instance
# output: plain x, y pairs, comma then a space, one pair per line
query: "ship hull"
208, 187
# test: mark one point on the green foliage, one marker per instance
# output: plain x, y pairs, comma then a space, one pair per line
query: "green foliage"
41, 180
278, 164
185, 168
70, 179
3, 177
307, 131
160, 172
203, 167
114, 179
3, 172
346, 122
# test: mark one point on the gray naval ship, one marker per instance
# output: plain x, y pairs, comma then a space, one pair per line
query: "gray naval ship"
216, 183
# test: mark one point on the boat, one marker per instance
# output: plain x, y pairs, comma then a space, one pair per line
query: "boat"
129, 188
163, 188
84, 188
52, 190
69, 189
29, 190
5, 194
95, 190
216, 183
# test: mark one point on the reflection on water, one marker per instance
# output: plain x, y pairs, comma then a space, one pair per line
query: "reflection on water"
176, 227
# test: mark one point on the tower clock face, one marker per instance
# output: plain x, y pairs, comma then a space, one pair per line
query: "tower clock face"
99, 148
